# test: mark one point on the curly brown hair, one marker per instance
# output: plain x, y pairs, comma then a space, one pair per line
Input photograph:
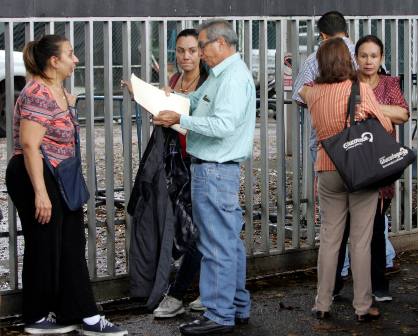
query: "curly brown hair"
334, 62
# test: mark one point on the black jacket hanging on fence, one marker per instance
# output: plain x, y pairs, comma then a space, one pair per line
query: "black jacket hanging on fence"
160, 204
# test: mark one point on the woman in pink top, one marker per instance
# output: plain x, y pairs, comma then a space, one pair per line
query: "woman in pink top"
57, 295
327, 101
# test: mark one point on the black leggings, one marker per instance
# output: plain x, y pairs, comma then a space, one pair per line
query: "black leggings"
55, 275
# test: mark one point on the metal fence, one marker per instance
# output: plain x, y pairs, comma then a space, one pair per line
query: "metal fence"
277, 190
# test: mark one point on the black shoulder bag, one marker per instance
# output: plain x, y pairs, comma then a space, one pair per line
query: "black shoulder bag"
365, 154
69, 177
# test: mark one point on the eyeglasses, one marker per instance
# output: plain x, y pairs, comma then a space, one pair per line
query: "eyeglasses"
319, 38
203, 44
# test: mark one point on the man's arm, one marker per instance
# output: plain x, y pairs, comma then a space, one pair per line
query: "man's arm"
230, 106
228, 113
307, 74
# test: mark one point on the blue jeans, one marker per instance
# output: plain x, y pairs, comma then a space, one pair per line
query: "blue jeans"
390, 251
218, 216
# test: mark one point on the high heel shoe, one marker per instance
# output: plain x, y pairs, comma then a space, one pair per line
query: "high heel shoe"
371, 315
321, 315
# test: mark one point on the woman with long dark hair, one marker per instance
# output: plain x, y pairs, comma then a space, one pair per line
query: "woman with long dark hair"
191, 73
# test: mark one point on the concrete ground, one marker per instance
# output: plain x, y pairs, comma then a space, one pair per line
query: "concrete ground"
282, 305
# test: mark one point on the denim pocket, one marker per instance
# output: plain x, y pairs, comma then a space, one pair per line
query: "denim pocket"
227, 193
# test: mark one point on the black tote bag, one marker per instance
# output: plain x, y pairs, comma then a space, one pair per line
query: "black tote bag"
365, 155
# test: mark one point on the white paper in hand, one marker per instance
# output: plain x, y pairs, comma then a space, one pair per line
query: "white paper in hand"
155, 100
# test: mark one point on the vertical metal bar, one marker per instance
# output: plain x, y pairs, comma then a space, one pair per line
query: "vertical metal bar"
264, 182
381, 29
248, 164
234, 25
407, 190
162, 60
180, 25
310, 195
415, 92
145, 75
308, 176
305, 134
69, 34
394, 47
29, 31
381, 33
9, 68
49, 28
350, 27
188, 24
394, 70
108, 112
90, 146
127, 132
354, 29
280, 135
367, 27
288, 109
295, 124
310, 36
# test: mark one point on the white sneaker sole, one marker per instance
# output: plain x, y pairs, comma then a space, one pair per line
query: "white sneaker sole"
62, 330
383, 299
197, 308
94, 333
158, 314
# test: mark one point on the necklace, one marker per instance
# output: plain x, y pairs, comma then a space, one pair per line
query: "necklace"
186, 89
60, 91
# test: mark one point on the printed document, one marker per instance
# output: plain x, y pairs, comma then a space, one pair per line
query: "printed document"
155, 100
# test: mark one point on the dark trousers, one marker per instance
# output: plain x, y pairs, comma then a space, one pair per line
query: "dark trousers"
378, 251
55, 275
189, 268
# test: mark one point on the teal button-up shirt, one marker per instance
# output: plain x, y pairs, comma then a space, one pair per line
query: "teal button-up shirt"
222, 121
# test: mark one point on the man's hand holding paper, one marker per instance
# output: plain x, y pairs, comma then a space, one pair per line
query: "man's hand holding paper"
167, 118
155, 101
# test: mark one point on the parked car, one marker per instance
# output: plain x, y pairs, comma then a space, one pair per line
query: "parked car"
19, 83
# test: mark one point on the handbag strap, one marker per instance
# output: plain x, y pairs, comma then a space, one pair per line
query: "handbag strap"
74, 119
353, 100
76, 141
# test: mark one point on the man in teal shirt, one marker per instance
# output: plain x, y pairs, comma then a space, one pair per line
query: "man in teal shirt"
220, 136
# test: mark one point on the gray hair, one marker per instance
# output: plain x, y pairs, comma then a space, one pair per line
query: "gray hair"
219, 28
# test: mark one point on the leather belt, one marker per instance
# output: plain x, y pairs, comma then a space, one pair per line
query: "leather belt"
196, 160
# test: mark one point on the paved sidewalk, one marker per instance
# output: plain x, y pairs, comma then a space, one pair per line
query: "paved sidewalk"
281, 306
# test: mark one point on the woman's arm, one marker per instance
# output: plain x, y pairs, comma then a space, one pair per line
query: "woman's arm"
31, 135
370, 106
128, 85
397, 114
395, 107
304, 91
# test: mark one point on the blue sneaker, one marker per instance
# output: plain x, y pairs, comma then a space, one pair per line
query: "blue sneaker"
48, 326
103, 327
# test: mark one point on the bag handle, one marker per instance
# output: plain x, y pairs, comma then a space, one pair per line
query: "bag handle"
76, 141
353, 100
